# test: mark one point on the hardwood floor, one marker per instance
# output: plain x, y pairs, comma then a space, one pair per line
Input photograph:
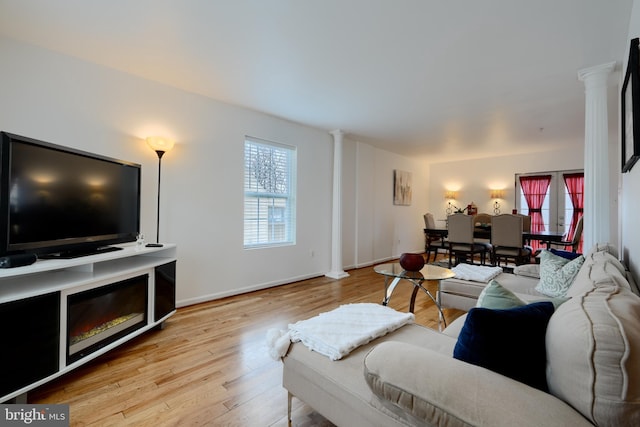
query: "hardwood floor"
209, 366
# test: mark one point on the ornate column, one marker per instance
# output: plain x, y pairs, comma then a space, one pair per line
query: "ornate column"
336, 218
597, 199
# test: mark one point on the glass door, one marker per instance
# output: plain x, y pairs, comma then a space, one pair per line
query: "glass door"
557, 209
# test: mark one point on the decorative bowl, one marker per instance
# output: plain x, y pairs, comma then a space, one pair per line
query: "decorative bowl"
411, 262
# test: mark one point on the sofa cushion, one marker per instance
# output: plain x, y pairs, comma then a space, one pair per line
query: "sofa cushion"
338, 390
599, 267
602, 247
593, 348
438, 390
453, 329
463, 294
510, 342
528, 270
603, 256
557, 273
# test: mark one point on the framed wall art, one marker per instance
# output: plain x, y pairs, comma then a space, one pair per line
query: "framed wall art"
630, 109
401, 188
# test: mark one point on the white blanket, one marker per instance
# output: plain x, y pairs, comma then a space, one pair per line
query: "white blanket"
338, 332
476, 273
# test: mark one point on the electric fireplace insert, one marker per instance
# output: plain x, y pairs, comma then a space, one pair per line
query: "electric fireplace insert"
100, 316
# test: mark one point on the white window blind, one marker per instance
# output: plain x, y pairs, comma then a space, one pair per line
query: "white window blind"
269, 193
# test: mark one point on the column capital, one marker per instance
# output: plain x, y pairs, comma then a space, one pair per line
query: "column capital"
337, 133
602, 70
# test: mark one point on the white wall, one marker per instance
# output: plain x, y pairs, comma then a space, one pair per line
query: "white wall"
473, 179
384, 230
629, 202
60, 99
63, 100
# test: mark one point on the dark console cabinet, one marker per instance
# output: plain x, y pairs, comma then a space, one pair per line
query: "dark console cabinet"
30, 333
165, 290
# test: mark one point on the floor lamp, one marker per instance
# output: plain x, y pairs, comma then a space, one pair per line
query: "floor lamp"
160, 146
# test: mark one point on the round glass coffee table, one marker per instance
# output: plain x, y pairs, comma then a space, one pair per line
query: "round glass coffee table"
393, 273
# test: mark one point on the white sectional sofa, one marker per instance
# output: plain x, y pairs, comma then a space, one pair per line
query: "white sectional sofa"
409, 377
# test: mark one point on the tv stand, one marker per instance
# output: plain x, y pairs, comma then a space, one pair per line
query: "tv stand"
71, 254
37, 314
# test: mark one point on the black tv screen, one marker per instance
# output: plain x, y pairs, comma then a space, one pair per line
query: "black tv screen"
62, 201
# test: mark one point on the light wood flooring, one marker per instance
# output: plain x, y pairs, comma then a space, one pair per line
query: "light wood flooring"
209, 366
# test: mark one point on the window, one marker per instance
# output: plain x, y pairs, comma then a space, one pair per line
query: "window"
269, 193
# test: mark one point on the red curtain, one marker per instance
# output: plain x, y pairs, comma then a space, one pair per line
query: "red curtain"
575, 187
534, 189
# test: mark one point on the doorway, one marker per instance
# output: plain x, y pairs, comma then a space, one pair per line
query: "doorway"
561, 202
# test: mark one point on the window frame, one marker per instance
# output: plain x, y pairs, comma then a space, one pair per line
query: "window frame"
267, 212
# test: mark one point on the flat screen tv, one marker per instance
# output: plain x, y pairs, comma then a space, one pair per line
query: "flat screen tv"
62, 202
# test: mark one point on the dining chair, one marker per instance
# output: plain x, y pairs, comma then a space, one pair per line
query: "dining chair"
506, 240
526, 222
482, 219
462, 245
432, 242
574, 243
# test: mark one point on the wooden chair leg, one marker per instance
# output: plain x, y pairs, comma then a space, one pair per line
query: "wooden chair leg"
289, 400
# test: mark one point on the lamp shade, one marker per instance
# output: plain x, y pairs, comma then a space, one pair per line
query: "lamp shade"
158, 143
450, 195
497, 194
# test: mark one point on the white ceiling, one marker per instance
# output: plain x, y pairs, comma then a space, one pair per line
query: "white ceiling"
440, 79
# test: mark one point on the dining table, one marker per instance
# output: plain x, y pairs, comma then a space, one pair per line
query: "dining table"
484, 232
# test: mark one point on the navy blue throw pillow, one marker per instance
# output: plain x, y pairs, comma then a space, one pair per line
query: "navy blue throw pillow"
510, 342
565, 254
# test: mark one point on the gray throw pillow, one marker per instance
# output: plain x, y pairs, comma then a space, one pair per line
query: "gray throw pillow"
496, 296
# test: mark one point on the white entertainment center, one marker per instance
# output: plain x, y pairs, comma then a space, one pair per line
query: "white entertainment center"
36, 315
